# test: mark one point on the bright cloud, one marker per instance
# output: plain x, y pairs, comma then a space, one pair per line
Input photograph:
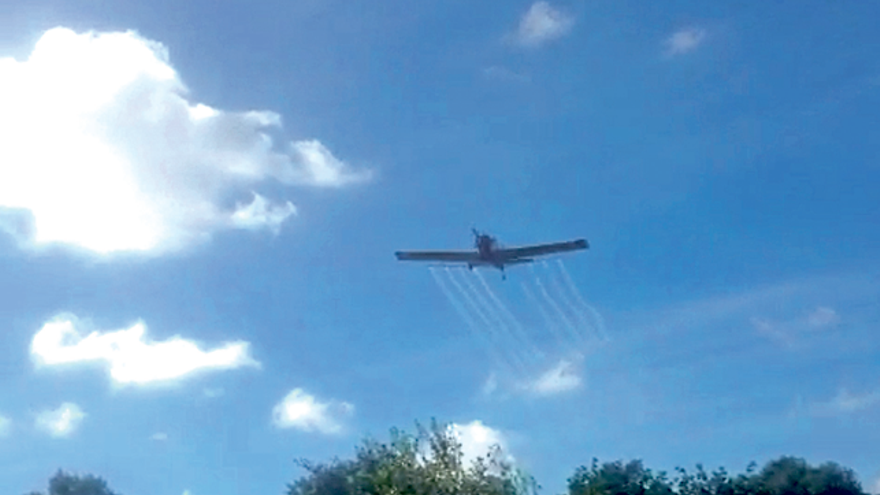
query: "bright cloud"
104, 150
561, 378
478, 440
5, 426
684, 41
773, 331
564, 376
823, 317
304, 412
490, 385
541, 24
846, 403
130, 356
787, 332
261, 214
60, 422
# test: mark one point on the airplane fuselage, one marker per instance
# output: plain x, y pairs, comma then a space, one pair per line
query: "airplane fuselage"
489, 256
489, 253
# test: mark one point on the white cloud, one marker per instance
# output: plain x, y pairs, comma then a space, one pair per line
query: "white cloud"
478, 440
564, 376
491, 385
320, 167
542, 24
875, 487
5, 426
103, 149
823, 317
788, 332
131, 357
846, 403
159, 437
60, 422
684, 41
302, 411
561, 378
259, 214
773, 331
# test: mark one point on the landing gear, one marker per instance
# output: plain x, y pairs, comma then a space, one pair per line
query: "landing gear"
470, 266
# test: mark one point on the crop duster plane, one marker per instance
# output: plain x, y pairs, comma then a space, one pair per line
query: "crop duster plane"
489, 253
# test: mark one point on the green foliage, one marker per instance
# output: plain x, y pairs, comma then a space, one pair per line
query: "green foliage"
784, 476
618, 479
430, 463
68, 484
793, 476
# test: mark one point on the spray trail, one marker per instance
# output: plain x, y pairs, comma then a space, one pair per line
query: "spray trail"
518, 330
551, 324
600, 322
500, 326
582, 319
469, 321
559, 313
489, 326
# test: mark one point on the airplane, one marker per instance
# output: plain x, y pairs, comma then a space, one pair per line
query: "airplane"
489, 253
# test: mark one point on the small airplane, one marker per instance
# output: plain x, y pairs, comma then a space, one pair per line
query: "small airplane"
490, 253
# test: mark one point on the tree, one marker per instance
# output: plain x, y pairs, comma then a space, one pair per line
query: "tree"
68, 484
783, 476
430, 463
616, 478
793, 476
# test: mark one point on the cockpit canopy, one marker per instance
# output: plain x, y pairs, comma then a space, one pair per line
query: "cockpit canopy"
485, 243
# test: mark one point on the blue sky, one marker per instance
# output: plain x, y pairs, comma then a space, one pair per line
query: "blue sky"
200, 204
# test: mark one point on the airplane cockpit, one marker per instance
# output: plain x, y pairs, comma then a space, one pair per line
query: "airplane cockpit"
484, 243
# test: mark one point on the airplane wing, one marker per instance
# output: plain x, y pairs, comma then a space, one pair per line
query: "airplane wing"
451, 256
542, 249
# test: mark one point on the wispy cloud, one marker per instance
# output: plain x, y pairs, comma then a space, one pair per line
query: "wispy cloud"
787, 332
104, 150
159, 437
490, 385
5, 426
60, 422
762, 303
823, 317
684, 41
131, 357
260, 214
541, 24
563, 377
303, 411
846, 403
